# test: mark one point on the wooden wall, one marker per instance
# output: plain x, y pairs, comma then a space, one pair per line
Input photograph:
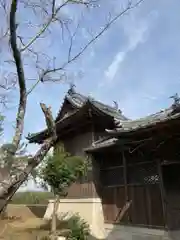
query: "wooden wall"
139, 182
75, 144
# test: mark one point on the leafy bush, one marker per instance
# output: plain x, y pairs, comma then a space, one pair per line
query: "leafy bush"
79, 229
73, 228
61, 170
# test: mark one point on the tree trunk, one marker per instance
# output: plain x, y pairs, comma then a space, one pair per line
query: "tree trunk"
8, 189
54, 218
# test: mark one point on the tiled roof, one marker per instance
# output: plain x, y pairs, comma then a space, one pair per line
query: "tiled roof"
129, 126
133, 125
78, 100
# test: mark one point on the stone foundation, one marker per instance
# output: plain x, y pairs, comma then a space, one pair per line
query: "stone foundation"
90, 209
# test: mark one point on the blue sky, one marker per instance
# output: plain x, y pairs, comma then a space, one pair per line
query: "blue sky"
136, 62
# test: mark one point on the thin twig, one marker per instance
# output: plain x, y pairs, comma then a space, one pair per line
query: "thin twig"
113, 20
44, 28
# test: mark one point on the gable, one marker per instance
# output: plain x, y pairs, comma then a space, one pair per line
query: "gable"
66, 109
74, 108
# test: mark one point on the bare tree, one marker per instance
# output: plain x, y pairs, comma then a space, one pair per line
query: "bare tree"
23, 50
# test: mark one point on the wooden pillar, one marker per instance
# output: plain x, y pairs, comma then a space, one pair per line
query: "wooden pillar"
162, 190
125, 176
125, 182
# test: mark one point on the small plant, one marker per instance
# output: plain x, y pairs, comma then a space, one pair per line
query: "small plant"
59, 172
79, 229
45, 238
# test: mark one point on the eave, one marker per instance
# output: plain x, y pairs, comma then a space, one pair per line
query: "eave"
163, 118
89, 108
100, 145
134, 131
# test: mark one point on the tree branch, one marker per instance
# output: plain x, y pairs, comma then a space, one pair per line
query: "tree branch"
123, 211
21, 77
9, 186
70, 60
46, 25
53, 7
49, 120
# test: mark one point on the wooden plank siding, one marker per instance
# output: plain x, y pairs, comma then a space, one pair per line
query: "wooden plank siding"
142, 186
84, 190
146, 208
74, 144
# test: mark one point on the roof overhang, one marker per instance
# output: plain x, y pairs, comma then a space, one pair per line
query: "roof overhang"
163, 119
132, 132
102, 144
88, 110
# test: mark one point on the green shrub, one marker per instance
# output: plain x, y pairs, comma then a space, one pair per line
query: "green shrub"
73, 228
45, 238
79, 229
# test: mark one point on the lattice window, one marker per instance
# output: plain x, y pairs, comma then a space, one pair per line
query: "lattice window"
109, 159
112, 177
153, 179
142, 174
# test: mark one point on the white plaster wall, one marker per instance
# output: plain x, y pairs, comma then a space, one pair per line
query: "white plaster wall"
90, 209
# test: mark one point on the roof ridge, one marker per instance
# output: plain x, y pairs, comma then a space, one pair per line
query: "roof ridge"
92, 99
165, 110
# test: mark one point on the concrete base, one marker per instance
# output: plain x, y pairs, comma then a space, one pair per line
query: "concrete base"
90, 209
115, 232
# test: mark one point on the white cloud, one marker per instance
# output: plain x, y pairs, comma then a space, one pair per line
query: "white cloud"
112, 69
136, 31
137, 35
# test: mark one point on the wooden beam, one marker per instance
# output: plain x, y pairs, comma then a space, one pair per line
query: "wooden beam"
126, 182
148, 197
162, 190
125, 176
167, 162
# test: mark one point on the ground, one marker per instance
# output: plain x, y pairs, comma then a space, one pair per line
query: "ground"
12, 231
28, 208
27, 225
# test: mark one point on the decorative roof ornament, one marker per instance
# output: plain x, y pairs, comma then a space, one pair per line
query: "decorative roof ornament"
176, 99
115, 105
90, 97
72, 89
119, 110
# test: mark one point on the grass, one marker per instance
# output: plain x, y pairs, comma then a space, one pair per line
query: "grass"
31, 198
37, 229
17, 230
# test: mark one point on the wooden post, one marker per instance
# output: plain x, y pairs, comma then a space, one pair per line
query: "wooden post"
125, 176
162, 190
127, 203
149, 212
125, 182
